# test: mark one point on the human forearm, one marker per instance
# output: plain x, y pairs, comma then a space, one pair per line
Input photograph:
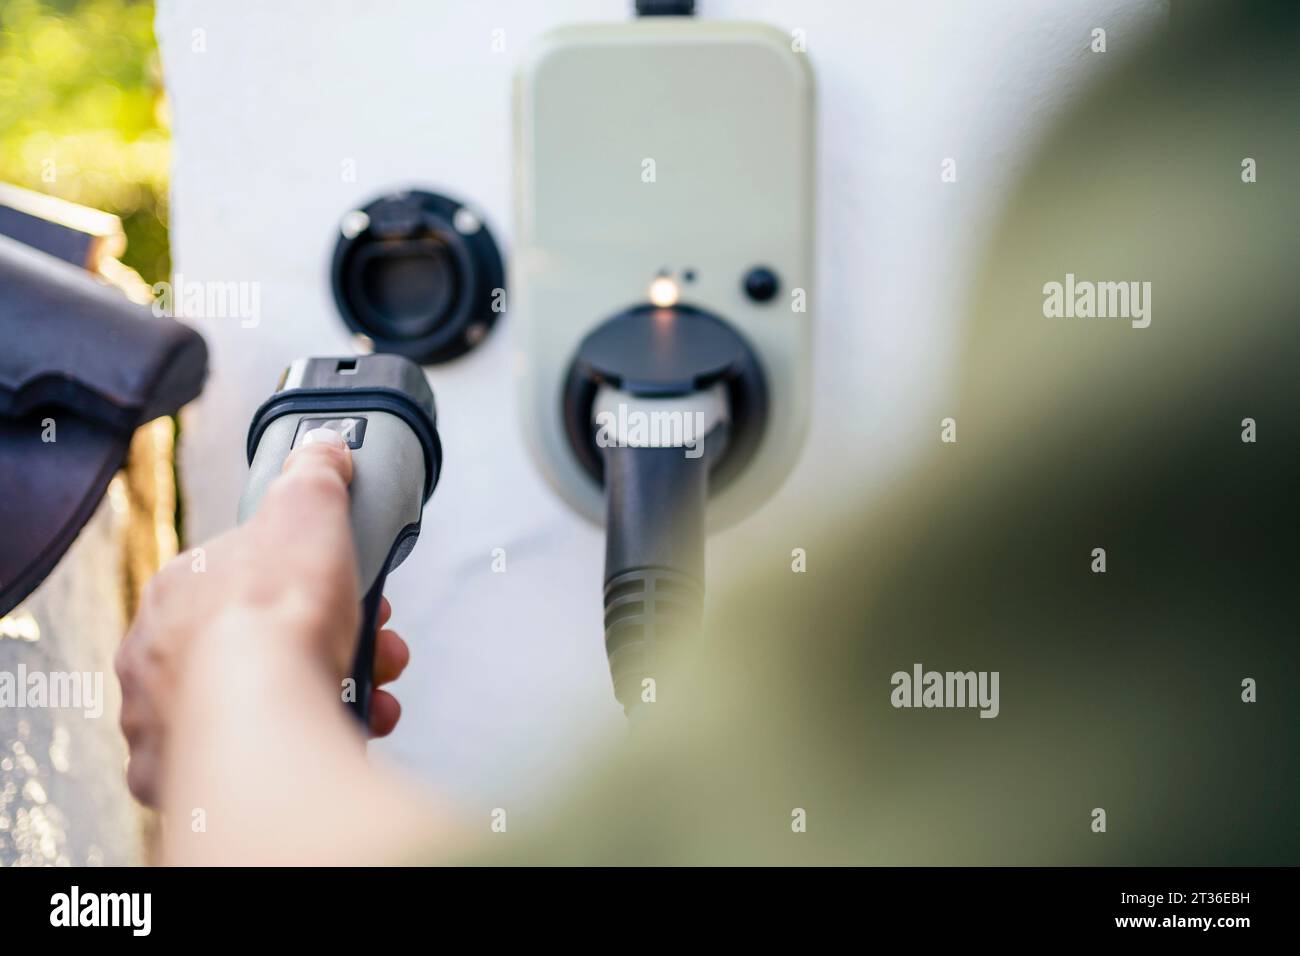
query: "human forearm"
264, 765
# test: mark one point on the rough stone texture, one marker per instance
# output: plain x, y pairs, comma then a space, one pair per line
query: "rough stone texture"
63, 795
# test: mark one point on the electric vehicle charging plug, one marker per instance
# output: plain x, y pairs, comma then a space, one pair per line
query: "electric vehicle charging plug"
661, 406
383, 408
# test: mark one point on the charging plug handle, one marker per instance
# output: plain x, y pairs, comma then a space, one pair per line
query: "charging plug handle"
396, 461
655, 502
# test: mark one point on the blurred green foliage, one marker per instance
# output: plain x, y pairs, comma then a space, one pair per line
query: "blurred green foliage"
83, 115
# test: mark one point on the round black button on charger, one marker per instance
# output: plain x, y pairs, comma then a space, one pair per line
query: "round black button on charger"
761, 284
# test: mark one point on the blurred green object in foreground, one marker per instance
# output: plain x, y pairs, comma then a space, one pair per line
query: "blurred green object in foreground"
83, 114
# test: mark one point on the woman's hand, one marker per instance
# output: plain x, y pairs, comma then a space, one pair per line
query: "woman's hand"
278, 592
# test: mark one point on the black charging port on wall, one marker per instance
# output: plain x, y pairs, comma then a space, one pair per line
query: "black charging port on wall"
418, 274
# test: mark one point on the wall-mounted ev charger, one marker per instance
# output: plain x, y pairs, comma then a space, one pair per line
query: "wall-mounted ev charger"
661, 285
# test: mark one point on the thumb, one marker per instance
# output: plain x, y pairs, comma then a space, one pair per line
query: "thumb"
304, 518
321, 448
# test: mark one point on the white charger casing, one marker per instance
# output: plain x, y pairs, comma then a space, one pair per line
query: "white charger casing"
663, 148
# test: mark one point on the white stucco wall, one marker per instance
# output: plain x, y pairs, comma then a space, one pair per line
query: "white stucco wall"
275, 103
